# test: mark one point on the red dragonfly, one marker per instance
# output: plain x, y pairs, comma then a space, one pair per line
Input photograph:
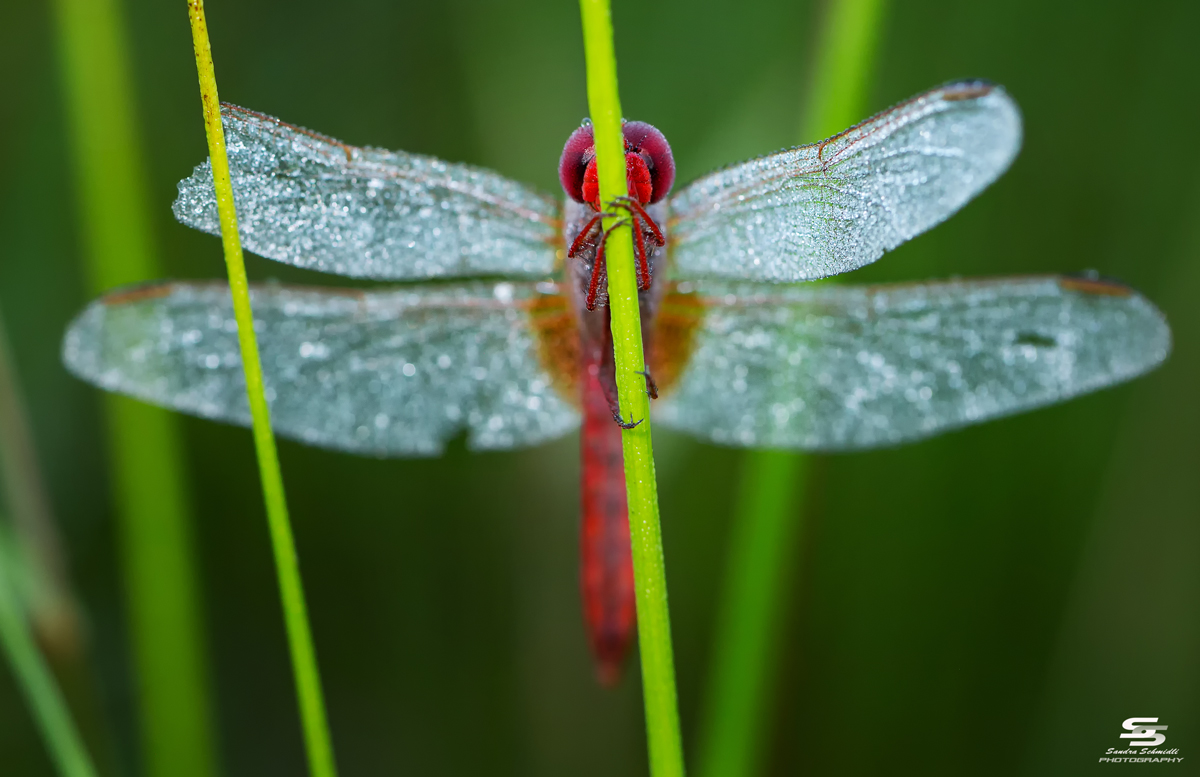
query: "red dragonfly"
741, 353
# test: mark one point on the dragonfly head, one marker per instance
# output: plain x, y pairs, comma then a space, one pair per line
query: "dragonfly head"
649, 166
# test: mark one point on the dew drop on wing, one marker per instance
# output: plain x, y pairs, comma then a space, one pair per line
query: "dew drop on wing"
874, 372
315, 203
828, 208
336, 363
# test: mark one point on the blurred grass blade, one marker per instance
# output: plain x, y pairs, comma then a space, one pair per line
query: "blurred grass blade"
53, 610
845, 60
769, 505
304, 659
751, 612
36, 683
650, 581
145, 451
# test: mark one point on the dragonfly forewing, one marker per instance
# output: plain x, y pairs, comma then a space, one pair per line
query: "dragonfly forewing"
841, 367
388, 373
825, 209
313, 202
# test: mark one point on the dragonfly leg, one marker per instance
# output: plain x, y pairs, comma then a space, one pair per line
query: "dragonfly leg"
651, 386
585, 236
621, 422
594, 283
643, 262
643, 225
598, 265
635, 207
607, 375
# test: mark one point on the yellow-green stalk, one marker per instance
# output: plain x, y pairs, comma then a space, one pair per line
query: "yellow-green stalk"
649, 572
295, 613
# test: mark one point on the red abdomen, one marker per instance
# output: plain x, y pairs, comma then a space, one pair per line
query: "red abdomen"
606, 568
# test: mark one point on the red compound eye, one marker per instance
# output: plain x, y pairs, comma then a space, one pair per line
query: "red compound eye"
579, 151
653, 147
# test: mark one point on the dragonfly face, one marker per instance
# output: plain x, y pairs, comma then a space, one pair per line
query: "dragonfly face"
649, 172
649, 165
743, 353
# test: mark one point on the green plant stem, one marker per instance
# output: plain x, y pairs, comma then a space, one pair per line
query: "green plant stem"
145, 449
650, 580
769, 512
766, 525
304, 657
46, 596
52, 606
37, 684
846, 49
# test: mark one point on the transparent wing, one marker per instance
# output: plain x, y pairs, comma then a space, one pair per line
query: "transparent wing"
391, 373
842, 367
313, 202
835, 206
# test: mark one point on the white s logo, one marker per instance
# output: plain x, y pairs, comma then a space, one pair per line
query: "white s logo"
1139, 730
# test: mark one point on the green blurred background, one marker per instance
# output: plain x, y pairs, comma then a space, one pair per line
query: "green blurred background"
996, 601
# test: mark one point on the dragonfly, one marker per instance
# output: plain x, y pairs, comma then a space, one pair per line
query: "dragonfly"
494, 321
